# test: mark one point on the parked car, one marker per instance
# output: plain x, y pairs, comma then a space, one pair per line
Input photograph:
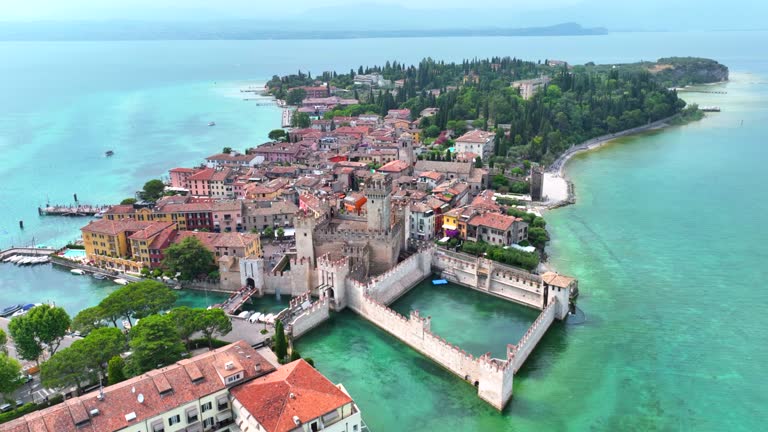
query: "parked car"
5, 407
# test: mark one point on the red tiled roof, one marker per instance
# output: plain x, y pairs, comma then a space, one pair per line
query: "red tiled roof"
121, 399
115, 227
394, 166
475, 136
494, 220
151, 230
295, 389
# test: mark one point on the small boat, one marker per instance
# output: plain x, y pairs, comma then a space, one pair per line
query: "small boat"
439, 282
212, 124
99, 276
109, 153
24, 309
121, 281
77, 272
255, 317
10, 310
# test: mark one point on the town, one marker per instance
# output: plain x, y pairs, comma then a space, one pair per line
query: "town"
379, 180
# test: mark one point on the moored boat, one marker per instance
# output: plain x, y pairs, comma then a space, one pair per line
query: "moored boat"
77, 272
121, 281
10, 310
99, 276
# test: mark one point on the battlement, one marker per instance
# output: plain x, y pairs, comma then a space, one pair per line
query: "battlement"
325, 262
378, 185
298, 300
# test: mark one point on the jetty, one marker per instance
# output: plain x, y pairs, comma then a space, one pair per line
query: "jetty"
287, 116
710, 108
71, 210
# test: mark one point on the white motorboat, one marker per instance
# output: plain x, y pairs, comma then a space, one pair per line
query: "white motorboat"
77, 272
255, 317
121, 281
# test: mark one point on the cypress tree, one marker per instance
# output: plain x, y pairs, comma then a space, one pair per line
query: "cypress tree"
281, 342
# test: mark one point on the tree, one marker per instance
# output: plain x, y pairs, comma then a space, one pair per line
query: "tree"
295, 96
432, 131
149, 297
185, 320
70, 367
269, 232
43, 327
152, 190
154, 343
213, 322
3, 342
88, 319
128, 201
277, 135
190, 258
281, 342
280, 232
227, 150
10, 369
538, 237
115, 370
478, 162
295, 355
300, 120
101, 345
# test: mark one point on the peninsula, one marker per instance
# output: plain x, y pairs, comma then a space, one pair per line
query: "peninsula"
385, 176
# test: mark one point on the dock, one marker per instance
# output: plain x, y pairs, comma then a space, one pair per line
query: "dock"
710, 108
71, 210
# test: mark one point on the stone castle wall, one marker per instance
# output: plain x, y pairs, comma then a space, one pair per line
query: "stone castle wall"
392, 284
491, 277
318, 312
492, 377
531, 338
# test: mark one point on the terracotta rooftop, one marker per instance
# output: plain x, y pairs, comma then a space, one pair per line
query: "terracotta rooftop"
181, 383
475, 136
494, 220
557, 280
151, 230
394, 166
115, 227
293, 390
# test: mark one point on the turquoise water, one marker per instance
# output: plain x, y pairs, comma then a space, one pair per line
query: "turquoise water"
667, 238
74, 253
467, 318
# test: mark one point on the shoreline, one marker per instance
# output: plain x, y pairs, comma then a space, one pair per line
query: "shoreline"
555, 173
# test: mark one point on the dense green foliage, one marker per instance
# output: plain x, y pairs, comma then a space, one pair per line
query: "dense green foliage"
154, 343
514, 257
675, 71
190, 258
152, 190
577, 105
3, 342
42, 328
128, 201
277, 135
116, 370
10, 369
135, 300
281, 342
212, 322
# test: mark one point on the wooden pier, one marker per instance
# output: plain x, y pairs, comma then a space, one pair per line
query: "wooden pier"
71, 210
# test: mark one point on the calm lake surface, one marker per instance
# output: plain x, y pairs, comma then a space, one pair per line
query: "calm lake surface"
668, 237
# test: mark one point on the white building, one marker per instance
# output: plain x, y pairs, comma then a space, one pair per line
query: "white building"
201, 394
529, 87
476, 141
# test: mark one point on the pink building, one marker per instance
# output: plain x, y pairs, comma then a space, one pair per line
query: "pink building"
200, 182
180, 176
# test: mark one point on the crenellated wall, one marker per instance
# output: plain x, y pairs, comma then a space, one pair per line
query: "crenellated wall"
526, 344
392, 284
318, 312
491, 277
492, 377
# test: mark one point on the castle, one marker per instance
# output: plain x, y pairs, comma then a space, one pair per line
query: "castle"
372, 244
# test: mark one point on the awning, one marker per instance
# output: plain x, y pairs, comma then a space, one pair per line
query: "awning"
224, 416
449, 226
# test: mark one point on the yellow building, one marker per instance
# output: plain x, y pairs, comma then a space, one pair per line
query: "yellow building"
106, 242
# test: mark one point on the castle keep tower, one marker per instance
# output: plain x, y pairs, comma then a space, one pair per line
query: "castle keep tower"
305, 223
378, 192
405, 150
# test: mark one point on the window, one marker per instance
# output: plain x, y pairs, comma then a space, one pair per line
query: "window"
208, 423
174, 419
206, 406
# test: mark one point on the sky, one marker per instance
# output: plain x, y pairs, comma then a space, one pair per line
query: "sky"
612, 14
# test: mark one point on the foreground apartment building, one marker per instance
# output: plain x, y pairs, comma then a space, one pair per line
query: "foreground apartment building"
231, 389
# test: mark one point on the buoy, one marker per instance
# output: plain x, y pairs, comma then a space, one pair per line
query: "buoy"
75, 197
21, 224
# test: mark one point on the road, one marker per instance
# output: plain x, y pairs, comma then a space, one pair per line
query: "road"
32, 391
